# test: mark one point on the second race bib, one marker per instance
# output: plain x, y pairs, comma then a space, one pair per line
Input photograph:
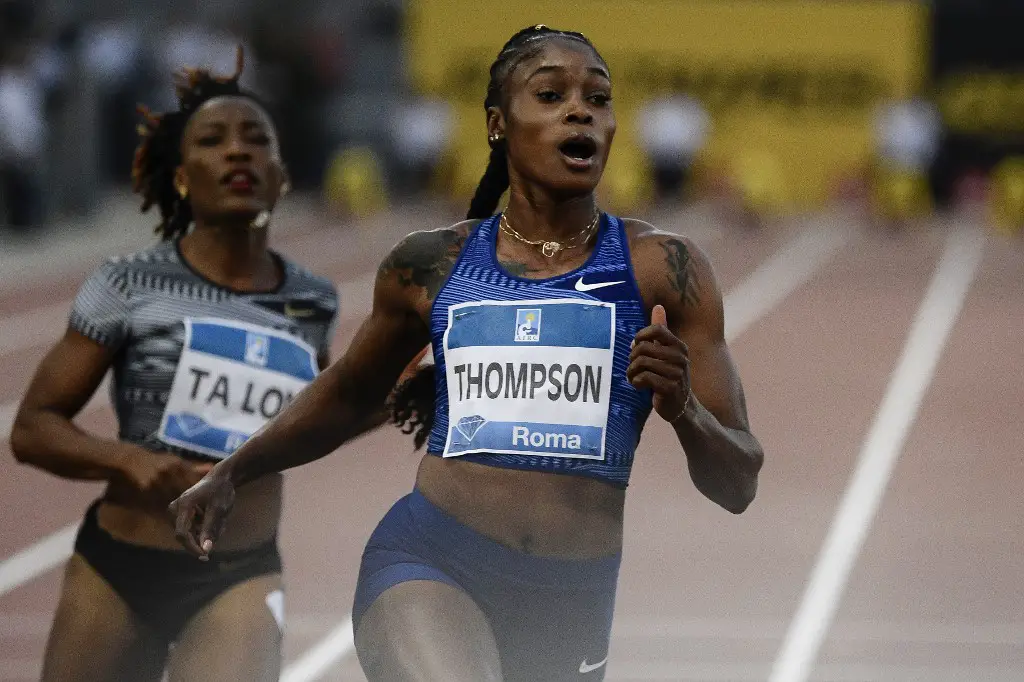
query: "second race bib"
232, 378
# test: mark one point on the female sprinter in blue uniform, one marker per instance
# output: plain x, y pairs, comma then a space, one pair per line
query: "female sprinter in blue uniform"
206, 332
555, 329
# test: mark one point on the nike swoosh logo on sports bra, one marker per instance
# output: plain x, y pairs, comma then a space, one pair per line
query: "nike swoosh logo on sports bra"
581, 286
589, 668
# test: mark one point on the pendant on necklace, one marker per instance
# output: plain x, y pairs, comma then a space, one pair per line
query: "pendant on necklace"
549, 249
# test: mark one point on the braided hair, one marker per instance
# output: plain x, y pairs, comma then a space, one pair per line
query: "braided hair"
158, 154
412, 401
524, 45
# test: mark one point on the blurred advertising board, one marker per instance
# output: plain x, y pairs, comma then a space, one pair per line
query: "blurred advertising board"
977, 72
791, 86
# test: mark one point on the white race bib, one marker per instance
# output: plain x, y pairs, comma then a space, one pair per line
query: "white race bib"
529, 377
232, 378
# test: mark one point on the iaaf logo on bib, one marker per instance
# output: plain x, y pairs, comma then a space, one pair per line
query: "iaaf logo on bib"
527, 325
257, 349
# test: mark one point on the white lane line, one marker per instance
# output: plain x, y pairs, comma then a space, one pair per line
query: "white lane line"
7, 412
317, 660
784, 272
932, 325
40, 558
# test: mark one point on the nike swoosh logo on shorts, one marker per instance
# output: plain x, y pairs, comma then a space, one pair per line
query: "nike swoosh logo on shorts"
580, 286
589, 668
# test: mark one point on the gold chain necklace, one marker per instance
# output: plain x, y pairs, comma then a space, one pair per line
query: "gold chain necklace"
548, 247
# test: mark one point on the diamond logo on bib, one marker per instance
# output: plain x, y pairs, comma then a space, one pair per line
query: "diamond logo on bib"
190, 424
543, 394
232, 378
468, 426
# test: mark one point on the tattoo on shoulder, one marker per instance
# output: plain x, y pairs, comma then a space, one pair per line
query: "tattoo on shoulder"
425, 259
677, 256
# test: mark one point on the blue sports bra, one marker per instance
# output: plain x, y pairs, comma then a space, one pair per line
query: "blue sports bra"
531, 374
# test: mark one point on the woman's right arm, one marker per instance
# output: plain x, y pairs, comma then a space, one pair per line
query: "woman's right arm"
337, 404
44, 435
335, 407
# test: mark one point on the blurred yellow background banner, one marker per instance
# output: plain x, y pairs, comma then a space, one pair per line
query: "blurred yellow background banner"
791, 86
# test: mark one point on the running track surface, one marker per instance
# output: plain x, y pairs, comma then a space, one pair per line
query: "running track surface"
926, 587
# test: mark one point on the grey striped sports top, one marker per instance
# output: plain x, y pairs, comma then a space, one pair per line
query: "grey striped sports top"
199, 367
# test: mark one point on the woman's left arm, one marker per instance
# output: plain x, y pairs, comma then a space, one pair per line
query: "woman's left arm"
683, 358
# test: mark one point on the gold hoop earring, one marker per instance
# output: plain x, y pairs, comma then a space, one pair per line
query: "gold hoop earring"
182, 191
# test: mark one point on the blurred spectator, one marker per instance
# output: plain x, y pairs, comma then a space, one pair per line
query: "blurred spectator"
205, 39
126, 57
303, 66
73, 71
22, 118
421, 133
362, 109
116, 64
72, 177
672, 130
908, 133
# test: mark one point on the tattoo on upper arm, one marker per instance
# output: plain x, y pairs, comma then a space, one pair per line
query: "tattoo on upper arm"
677, 256
425, 259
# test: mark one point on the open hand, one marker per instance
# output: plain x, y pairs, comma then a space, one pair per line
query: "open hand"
200, 512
